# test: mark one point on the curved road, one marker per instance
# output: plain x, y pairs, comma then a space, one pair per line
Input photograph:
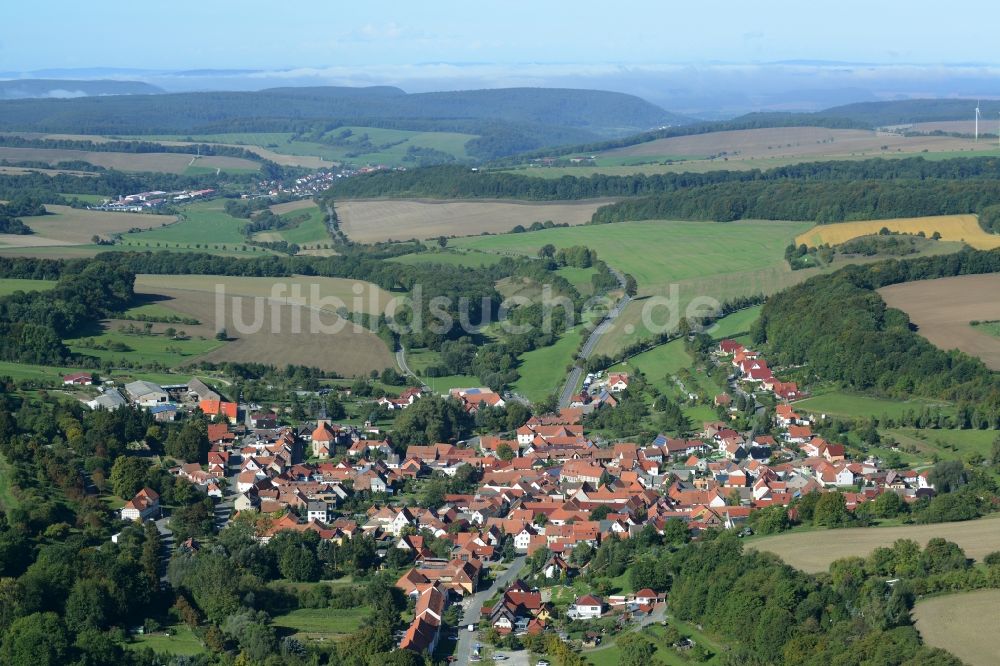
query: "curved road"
473, 606
595, 336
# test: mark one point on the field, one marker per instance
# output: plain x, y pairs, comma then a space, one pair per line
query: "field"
176, 163
611, 655
543, 370
72, 226
946, 444
266, 330
963, 228
839, 403
182, 643
322, 623
369, 221
660, 362
201, 224
989, 327
145, 349
943, 308
675, 262
964, 624
10, 285
310, 231
385, 146
777, 142
814, 550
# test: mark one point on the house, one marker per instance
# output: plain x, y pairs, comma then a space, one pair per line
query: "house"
316, 510
587, 607
145, 504
110, 400
219, 409
164, 412
646, 597
617, 382
145, 394
78, 379
323, 440
200, 390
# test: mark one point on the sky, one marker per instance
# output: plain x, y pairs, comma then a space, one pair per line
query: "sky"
189, 34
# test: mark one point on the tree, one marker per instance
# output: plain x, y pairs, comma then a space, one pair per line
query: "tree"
128, 476
442, 242
505, 452
947, 476
89, 605
635, 650
831, 510
431, 419
190, 442
222, 335
547, 251
39, 639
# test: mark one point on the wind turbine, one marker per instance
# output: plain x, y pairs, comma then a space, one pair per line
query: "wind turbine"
977, 121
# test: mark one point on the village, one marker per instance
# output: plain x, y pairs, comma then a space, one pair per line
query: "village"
546, 494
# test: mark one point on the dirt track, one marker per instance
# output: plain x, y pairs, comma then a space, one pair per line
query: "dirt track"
943, 308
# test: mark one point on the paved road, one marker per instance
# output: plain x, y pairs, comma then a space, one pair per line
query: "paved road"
591, 344
473, 606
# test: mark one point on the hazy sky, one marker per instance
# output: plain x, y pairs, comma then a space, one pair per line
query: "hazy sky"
188, 34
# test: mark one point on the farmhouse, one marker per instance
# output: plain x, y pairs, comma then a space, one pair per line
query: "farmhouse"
145, 394
78, 379
587, 607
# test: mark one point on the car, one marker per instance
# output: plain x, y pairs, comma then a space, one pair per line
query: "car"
542, 663
472, 627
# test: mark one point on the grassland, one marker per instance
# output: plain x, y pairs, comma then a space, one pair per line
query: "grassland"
943, 308
71, 226
676, 262
814, 550
952, 443
309, 231
373, 220
964, 624
202, 223
611, 655
988, 327
387, 146
322, 623
543, 370
959, 228
660, 362
183, 643
142, 349
840, 403
176, 163
10, 285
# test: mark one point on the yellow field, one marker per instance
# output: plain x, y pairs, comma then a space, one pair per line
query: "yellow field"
963, 624
963, 228
73, 226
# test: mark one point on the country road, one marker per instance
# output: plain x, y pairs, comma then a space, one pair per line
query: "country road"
591, 344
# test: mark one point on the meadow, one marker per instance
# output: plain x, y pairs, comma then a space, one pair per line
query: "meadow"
182, 643
322, 624
989, 328
72, 226
964, 624
176, 163
10, 285
543, 370
814, 550
945, 444
850, 405
140, 348
673, 260
611, 655
958, 228
200, 225
942, 310
373, 220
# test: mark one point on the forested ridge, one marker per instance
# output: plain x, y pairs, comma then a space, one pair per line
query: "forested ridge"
842, 331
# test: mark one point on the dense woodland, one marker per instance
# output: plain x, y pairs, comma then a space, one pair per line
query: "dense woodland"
842, 330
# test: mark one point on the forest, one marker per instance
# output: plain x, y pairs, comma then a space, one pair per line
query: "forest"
842, 330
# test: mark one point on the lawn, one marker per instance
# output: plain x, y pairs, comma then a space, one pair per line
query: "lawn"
543, 370
659, 362
675, 262
420, 360
9, 285
183, 643
323, 623
841, 403
579, 278
736, 324
964, 624
309, 231
946, 443
814, 550
611, 655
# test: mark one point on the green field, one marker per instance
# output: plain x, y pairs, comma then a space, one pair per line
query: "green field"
660, 362
145, 349
543, 370
323, 623
203, 224
353, 151
579, 278
309, 231
839, 403
946, 443
611, 655
183, 643
676, 262
420, 359
736, 324
989, 327
964, 624
9, 285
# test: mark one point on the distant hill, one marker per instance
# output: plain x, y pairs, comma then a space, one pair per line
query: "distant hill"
507, 120
61, 89
902, 112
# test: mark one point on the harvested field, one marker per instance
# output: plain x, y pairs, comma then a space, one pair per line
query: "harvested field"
943, 308
292, 206
814, 550
163, 162
72, 226
962, 228
278, 340
369, 221
964, 624
788, 142
957, 127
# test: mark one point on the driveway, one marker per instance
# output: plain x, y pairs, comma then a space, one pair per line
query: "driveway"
472, 607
